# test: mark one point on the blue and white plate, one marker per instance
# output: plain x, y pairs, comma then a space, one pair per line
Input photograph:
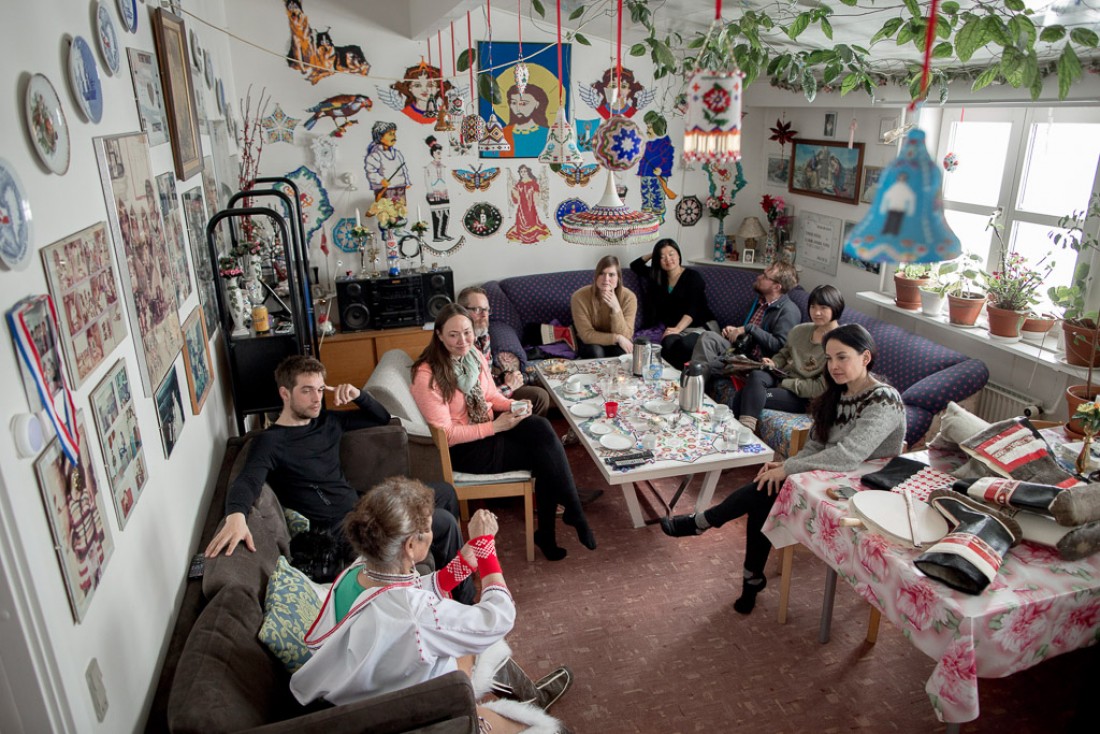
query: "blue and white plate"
109, 47
127, 10
208, 68
567, 207
84, 78
341, 235
49, 130
15, 220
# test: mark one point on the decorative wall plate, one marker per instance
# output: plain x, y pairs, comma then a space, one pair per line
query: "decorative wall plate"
482, 219
341, 235
109, 47
196, 50
15, 220
689, 210
47, 125
219, 96
208, 69
316, 208
127, 10
567, 207
84, 78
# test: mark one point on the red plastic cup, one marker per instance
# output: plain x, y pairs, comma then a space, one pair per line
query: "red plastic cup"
611, 408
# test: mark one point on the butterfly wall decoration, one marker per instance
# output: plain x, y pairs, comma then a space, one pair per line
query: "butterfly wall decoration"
577, 175
477, 179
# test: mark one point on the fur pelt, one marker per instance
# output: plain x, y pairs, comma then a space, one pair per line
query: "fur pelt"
537, 720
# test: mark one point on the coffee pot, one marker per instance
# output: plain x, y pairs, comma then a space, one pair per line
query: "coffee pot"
691, 387
640, 357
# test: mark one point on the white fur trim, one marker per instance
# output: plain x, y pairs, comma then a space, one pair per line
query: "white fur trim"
537, 720
486, 667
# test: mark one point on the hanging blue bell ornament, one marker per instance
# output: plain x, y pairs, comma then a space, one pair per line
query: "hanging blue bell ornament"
906, 222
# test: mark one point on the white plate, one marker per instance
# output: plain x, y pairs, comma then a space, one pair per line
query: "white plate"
585, 410
581, 379
599, 429
660, 407
616, 441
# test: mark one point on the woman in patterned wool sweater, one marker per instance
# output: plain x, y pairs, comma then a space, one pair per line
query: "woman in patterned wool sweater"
857, 418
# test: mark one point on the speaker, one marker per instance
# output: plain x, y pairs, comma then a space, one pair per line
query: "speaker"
381, 302
438, 289
353, 296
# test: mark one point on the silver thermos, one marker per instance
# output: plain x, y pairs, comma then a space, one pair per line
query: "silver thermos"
691, 387
640, 357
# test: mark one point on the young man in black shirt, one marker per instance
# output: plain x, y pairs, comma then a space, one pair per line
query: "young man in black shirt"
299, 456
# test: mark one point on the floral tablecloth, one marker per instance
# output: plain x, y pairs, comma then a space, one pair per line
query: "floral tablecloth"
1039, 606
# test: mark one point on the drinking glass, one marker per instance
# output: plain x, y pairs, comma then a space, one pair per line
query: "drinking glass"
732, 435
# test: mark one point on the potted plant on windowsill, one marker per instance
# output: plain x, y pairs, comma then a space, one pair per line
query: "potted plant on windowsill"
1012, 289
907, 282
933, 295
964, 297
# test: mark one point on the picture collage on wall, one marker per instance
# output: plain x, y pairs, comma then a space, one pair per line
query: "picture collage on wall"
120, 439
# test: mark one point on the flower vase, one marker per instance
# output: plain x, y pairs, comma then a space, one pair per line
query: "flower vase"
1082, 463
393, 255
252, 286
240, 308
720, 242
769, 247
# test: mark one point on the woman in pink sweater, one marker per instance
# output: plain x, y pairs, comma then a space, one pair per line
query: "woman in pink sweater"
454, 390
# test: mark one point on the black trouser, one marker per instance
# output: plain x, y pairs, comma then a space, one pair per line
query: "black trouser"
761, 391
531, 445
676, 349
746, 500
597, 351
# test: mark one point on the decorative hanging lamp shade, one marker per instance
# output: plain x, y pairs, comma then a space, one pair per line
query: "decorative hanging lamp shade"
561, 143
473, 129
610, 222
493, 138
618, 143
522, 75
712, 130
906, 222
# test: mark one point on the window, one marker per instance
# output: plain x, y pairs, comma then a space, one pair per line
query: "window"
1036, 164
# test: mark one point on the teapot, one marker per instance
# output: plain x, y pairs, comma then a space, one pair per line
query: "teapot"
692, 381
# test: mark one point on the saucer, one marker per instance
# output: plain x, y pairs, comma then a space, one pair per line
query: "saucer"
599, 429
585, 410
660, 407
615, 441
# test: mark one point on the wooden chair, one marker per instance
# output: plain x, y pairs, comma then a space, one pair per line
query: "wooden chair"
487, 486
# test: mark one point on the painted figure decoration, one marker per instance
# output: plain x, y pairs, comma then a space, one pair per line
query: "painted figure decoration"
439, 199
609, 95
528, 197
387, 172
526, 113
340, 109
416, 95
314, 53
654, 168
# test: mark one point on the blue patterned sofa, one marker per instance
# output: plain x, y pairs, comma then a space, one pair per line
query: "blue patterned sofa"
926, 374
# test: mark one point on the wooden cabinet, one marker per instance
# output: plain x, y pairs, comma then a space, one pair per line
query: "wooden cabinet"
352, 356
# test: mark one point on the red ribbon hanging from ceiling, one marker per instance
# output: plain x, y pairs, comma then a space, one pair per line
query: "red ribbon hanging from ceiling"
929, 37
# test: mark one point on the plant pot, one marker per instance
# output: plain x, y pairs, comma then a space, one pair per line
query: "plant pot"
1005, 322
907, 292
931, 302
1037, 328
963, 310
1081, 345
1075, 395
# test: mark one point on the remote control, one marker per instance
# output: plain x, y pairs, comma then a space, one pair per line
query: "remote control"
627, 463
619, 460
198, 565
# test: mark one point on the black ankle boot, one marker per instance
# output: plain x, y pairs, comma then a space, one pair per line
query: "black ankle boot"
750, 587
680, 525
549, 546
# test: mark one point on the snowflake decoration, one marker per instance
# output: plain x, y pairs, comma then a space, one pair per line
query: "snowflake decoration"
279, 127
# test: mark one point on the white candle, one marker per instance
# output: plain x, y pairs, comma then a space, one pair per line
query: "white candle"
357, 222
418, 217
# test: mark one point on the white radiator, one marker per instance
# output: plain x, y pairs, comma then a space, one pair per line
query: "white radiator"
998, 403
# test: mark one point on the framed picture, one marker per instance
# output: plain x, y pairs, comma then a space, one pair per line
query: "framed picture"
169, 412
81, 276
826, 169
871, 175
748, 255
855, 262
120, 439
818, 237
173, 236
194, 214
885, 125
133, 213
779, 169
829, 131
179, 95
196, 360
148, 95
77, 519
526, 118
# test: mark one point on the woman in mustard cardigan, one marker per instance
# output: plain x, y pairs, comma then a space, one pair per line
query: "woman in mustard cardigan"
603, 313
454, 390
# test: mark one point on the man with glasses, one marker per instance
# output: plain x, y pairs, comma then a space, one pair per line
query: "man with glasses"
512, 382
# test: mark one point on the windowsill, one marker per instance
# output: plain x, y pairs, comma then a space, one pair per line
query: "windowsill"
1025, 349
729, 264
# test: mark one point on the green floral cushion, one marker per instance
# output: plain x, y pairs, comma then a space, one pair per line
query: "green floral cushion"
296, 522
291, 605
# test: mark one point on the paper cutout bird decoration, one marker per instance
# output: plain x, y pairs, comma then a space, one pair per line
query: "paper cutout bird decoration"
340, 109
782, 133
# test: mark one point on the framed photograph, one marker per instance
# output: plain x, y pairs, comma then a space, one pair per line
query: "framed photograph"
855, 262
818, 238
526, 118
120, 439
81, 276
173, 236
196, 360
748, 255
77, 519
829, 131
37, 315
169, 412
194, 214
826, 169
148, 95
170, 38
885, 125
871, 175
133, 213
779, 170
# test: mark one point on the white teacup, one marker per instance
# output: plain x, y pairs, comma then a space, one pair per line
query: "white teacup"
573, 386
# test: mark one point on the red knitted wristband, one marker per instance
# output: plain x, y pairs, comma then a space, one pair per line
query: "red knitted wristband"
485, 548
454, 573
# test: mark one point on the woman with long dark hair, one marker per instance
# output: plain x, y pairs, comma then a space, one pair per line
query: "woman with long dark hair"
454, 390
603, 313
858, 417
678, 297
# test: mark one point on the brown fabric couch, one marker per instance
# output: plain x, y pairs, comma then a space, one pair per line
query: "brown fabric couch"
218, 676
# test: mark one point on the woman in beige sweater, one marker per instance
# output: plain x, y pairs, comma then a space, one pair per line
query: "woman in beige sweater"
603, 313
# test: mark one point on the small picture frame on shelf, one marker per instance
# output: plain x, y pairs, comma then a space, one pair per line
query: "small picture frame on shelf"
829, 131
886, 125
748, 255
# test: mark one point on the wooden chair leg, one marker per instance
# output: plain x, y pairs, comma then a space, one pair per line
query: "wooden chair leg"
464, 513
872, 625
785, 582
529, 525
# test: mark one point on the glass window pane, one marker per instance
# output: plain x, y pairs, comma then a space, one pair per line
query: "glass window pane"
1061, 166
971, 231
1032, 241
982, 148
